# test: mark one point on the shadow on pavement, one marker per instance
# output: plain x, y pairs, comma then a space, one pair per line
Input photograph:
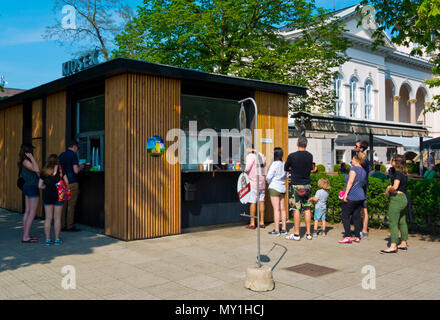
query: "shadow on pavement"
14, 254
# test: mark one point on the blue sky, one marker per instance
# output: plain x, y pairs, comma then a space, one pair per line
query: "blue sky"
27, 60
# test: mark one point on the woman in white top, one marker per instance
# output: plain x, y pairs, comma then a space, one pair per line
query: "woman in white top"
276, 177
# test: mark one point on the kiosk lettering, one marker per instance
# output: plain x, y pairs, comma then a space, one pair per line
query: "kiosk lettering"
83, 62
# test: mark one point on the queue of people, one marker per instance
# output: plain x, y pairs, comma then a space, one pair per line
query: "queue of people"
57, 208
299, 165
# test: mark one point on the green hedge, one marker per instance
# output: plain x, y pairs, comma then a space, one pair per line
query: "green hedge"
321, 168
336, 167
424, 195
413, 167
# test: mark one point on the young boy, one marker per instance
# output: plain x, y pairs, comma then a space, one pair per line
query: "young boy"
320, 198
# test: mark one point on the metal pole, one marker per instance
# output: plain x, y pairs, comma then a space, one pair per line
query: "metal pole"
421, 156
258, 167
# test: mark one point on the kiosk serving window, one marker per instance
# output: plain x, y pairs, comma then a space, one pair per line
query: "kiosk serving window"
202, 121
90, 132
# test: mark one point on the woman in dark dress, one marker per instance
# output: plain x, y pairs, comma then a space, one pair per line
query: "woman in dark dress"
29, 171
49, 177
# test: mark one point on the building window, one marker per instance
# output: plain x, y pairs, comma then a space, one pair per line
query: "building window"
90, 131
368, 100
353, 98
338, 94
340, 156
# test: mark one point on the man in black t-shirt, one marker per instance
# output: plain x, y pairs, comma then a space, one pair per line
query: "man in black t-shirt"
362, 146
300, 164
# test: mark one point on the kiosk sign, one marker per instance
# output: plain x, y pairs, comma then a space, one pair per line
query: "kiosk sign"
85, 61
244, 188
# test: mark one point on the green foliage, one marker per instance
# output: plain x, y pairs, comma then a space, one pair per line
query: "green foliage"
242, 38
416, 21
383, 168
425, 200
337, 166
321, 168
412, 167
424, 195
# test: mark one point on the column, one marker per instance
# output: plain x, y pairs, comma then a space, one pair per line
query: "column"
413, 110
396, 108
380, 103
427, 105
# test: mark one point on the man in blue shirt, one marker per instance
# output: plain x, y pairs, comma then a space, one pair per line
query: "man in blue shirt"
70, 165
362, 146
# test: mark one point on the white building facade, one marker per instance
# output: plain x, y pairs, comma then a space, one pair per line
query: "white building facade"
382, 85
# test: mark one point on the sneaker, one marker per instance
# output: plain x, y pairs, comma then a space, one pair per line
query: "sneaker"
283, 231
58, 242
293, 237
364, 235
274, 233
48, 242
309, 236
356, 239
323, 233
315, 233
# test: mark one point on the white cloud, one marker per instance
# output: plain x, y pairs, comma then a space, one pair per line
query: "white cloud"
14, 36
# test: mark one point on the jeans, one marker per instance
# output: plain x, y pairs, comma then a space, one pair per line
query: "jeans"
397, 217
352, 209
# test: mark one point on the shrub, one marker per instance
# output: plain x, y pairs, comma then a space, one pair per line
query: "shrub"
383, 168
321, 168
413, 167
337, 166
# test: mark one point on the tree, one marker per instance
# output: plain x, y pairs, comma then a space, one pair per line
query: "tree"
412, 21
242, 38
89, 23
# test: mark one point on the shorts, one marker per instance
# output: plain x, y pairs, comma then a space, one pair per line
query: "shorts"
274, 193
319, 214
300, 202
31, 191
253, 196
56, 204
364, 204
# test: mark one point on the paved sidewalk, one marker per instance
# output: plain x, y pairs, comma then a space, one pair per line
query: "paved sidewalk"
210, 265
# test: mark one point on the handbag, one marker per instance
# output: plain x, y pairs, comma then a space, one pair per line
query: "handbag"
64, 193
20, 180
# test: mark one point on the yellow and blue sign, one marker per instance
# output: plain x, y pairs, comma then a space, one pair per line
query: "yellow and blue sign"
155, 146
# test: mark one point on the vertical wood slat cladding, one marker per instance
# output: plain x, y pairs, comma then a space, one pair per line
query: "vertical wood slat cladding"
56, 123
37, 118
154, 184
272, 114
37, 142
139, 107
13, 137
2, 161
116, 157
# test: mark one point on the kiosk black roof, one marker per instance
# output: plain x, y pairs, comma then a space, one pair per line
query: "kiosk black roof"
121, 65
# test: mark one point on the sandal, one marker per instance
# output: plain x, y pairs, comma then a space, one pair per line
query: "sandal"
402, 248
262, 226
249, 226
345, 240
30, 241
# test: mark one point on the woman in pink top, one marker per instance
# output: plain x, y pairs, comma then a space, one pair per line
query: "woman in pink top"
251, 170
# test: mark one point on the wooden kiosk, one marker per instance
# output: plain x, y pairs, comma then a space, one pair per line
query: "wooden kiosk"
112, 109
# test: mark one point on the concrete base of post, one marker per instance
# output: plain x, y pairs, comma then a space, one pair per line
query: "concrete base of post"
259, 279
